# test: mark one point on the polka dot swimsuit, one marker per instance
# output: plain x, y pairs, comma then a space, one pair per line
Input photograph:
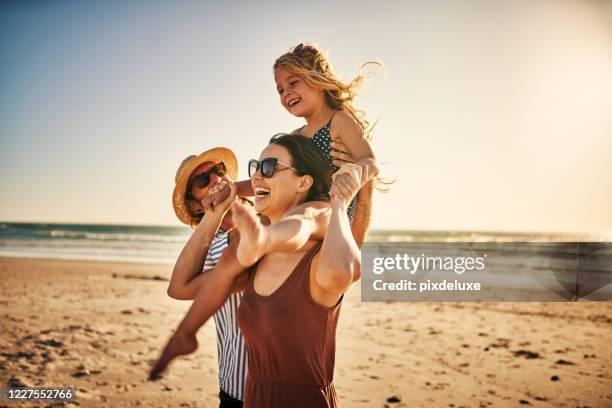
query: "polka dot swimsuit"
322, 139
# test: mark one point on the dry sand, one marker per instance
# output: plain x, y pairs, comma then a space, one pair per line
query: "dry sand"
98, 326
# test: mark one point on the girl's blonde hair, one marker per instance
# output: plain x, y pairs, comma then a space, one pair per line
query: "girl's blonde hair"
313, 66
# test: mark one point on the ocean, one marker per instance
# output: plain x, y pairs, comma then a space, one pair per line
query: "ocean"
162, 245
124, 243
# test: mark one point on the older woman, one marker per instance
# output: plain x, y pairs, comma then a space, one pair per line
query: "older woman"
293, 272
197, 180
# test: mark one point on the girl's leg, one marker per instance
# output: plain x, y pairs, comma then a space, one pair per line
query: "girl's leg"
210, 297
290, 233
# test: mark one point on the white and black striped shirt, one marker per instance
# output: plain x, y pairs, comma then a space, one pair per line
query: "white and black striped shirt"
231, 350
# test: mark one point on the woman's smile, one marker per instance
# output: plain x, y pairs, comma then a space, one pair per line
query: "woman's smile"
261, 193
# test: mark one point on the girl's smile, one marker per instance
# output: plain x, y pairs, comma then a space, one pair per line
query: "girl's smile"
296, 95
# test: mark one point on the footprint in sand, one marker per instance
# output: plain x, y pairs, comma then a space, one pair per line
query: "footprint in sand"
15, 382
527, 354
50, 343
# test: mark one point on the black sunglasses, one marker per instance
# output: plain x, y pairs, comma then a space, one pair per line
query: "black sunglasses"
267, 166
203, 180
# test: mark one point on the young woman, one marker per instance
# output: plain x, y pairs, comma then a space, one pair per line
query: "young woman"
293, 273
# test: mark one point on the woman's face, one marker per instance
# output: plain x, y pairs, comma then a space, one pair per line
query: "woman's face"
199, 193
284, 190
299, 98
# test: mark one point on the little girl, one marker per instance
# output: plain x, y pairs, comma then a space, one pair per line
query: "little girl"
309, 88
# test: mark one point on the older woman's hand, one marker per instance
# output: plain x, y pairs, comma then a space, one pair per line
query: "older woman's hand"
220, 196
345, 183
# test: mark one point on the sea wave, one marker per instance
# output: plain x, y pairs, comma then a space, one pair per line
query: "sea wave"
110, 236
94, 242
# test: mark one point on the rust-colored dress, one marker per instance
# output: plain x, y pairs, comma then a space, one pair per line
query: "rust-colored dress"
291, 343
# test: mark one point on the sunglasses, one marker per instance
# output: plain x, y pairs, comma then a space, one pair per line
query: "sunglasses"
203, 180
267, 166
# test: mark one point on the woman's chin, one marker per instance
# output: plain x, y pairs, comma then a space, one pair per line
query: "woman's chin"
261, 204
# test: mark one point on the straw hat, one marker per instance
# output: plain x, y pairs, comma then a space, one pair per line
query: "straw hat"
216, 155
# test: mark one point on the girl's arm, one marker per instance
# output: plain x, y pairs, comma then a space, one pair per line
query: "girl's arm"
346, 130
339, 263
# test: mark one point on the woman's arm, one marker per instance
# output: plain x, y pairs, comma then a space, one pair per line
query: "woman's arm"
187, 273
191, 260
211, 295
339, 262
245, 189
227, 269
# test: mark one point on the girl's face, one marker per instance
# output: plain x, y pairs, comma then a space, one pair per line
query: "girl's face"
285, 189
299, 98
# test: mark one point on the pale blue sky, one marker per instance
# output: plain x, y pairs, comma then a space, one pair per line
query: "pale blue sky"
493, 115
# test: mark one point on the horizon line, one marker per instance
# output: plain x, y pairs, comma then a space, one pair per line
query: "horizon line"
386, 230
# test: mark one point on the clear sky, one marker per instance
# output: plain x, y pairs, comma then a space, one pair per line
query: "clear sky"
493, 115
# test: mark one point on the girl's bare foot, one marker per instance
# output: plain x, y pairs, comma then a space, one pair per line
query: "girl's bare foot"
179, 344
254, 237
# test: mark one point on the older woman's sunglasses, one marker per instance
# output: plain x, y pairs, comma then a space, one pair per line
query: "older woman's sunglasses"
203, 180
267, 166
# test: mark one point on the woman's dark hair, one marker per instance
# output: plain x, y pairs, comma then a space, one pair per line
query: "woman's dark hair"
308, 159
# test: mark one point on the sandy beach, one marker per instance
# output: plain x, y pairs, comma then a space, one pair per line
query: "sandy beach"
98, 326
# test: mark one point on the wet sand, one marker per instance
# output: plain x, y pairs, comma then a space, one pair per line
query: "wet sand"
98, 326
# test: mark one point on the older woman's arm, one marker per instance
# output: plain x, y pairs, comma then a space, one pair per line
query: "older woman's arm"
187, 273
190, 262
228, 275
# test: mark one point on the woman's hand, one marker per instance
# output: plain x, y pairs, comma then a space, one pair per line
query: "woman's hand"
346, 182
341, 156
340, 153
220, 197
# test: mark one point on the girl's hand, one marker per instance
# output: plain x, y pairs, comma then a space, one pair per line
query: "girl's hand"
220, 197
346, 182
340, 154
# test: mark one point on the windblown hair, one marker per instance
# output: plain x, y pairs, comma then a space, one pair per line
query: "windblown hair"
306, 61
308, 159
312, 65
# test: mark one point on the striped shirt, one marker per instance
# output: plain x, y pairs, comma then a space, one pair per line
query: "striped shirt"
231, 351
